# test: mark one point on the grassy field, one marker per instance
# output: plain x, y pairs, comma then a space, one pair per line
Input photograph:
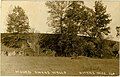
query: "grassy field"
64, 66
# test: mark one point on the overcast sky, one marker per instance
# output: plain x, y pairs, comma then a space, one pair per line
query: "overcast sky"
37, 13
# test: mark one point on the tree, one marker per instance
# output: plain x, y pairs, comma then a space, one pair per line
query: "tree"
33, 42
101, 20
60, 23
57, 12
17, 27
17, 21
93, 23
101, 24
80, 19
73, 19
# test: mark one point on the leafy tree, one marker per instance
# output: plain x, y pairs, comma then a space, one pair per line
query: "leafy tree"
101, 20
71, 19
17, 21
57, 11
59, 21
101, 25
79, 19
17, 27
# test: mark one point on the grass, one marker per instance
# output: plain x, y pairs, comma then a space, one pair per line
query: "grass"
44, 65
64, 66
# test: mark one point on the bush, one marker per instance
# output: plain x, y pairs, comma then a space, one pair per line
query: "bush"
47, 52
115, 50
28, 52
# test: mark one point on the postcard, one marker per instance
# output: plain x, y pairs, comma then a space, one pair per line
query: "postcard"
59, 37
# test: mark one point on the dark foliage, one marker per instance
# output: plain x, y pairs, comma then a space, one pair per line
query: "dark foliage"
13, 40
86, 46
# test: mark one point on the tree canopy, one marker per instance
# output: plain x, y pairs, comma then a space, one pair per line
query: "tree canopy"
17, 21
71, 18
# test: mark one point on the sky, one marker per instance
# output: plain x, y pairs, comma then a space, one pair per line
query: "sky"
37, 13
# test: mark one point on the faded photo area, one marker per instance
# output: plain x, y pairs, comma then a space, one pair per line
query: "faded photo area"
59, 38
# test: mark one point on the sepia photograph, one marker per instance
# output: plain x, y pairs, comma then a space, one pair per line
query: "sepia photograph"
59, 37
